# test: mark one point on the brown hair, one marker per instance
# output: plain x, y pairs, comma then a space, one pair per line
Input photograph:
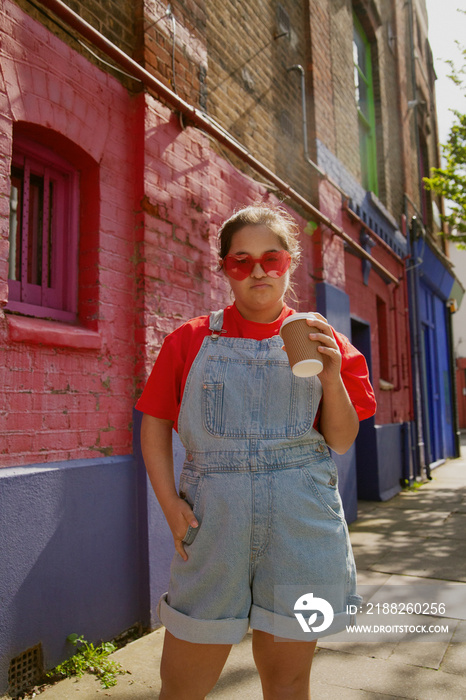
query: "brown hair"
277, 219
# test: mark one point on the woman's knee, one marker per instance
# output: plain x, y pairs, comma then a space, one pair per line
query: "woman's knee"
282, 685
284, 666
190, 671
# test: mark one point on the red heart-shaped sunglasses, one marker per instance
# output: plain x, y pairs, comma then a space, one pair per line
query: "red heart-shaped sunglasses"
274, 263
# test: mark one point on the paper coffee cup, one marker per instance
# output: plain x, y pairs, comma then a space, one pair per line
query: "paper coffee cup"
302, 352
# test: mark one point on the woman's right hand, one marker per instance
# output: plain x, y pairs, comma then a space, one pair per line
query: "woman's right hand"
180, 516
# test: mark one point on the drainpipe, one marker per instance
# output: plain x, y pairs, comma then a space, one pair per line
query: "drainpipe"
298, 67
414, 103
454, 393
420, 377
422, 417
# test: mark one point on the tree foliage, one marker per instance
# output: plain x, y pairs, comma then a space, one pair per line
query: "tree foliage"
449, 181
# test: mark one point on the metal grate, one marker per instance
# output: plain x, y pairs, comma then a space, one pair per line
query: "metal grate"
26, 670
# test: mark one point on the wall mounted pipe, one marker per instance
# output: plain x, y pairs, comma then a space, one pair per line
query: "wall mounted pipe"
202, 121
298, 67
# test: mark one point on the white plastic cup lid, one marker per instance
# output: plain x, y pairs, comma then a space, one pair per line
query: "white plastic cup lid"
296, 317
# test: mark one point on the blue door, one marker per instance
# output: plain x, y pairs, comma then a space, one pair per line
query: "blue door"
438, 409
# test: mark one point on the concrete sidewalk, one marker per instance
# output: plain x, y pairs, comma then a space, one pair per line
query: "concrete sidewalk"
415, 538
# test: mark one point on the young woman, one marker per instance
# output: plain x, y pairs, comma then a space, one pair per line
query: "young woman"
257, 511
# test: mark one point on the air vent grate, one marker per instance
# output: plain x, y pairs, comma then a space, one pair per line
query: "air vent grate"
26, 670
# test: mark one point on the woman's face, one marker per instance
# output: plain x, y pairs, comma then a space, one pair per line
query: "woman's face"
258, 297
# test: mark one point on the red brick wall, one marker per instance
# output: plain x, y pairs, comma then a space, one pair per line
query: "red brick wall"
153, 197
64, 399
156, 192
393, 404
189, 191
461, 390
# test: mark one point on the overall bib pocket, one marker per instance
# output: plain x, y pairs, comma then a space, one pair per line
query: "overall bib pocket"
190, 491
239, 399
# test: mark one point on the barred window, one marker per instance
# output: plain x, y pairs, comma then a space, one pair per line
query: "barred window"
43, 236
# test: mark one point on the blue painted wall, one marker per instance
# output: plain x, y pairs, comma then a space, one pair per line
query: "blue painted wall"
433, 286
69, 555
334, 304
159, 547
380, 459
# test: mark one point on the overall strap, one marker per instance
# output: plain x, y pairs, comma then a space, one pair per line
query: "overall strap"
216, 323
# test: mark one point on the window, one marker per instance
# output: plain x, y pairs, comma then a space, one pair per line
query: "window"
43, 233
364, 92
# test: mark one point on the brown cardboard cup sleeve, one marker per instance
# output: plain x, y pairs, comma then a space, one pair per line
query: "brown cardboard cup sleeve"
302, 352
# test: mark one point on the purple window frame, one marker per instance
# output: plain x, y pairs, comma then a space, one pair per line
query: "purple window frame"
43, 272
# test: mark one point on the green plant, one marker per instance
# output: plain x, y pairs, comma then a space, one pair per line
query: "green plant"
90, 659
407, 485
449, 181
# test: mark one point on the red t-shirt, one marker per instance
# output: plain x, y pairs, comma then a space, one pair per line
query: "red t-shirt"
163, 392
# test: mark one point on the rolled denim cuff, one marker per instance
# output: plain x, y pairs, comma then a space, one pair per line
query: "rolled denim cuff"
288, 627
181, 626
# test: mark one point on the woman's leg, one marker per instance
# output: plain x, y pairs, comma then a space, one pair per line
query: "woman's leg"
284, 666
190, 671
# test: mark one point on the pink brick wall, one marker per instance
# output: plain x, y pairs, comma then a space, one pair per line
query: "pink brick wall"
154, 195
189, 191
62, 398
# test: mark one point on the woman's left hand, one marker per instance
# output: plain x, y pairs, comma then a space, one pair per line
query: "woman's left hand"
328, 348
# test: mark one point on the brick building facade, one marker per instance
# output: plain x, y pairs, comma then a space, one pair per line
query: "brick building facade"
232, 104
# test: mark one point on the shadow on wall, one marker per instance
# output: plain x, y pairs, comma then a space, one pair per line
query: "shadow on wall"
70, 558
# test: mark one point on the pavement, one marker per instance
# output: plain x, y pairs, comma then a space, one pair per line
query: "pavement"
416, 539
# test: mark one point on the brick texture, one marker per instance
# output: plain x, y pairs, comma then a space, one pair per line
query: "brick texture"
61, 402
115, 19
154, 190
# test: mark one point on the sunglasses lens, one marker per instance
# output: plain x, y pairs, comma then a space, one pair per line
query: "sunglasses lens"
238, 266
274, 264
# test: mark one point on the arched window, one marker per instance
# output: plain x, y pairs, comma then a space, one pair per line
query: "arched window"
43, 235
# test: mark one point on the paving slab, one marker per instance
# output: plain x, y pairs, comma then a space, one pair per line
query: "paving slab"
427, 557
415, 589
379, 650
141, 659
393, 520
395, 678
453, 528
328, 691
436, 498
239, 677
454, 660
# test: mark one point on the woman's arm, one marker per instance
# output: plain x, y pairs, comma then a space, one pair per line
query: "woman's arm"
156, 443
339, 423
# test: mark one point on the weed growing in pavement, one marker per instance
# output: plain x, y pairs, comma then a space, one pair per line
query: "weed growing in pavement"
411, 486
90, 659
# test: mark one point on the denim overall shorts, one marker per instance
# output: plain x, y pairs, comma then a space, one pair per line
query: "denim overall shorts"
263, 488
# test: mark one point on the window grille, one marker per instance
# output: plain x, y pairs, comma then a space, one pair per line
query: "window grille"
43, 233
